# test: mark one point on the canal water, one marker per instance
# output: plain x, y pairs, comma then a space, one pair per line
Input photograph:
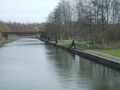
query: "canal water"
30, 64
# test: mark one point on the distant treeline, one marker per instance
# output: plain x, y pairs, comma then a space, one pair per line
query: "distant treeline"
97, 21
20, 26
3, 27
25, 27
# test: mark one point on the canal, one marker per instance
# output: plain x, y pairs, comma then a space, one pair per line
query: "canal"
30, 64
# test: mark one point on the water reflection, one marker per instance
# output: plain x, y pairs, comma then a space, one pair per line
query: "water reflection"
78, 73
29, 64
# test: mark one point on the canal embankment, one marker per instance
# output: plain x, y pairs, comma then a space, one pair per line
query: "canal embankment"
8, 40
2, 40
107, 60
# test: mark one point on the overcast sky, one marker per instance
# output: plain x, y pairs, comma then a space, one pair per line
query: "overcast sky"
26, 11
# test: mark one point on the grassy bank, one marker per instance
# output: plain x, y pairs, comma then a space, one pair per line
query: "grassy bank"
111, 51
83, 45
94, 47
1, 39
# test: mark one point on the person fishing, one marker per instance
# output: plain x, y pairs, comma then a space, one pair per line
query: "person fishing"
73, 44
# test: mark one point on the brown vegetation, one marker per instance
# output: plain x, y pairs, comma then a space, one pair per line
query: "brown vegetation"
97, 21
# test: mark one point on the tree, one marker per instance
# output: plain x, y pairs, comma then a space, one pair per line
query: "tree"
2, 27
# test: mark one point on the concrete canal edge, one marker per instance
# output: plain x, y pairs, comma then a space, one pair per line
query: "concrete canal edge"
115, 64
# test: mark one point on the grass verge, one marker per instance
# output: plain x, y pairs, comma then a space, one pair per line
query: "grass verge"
94, 47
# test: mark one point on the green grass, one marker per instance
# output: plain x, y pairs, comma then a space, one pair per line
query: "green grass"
111, 51
98, 48
65, 42
82, 45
